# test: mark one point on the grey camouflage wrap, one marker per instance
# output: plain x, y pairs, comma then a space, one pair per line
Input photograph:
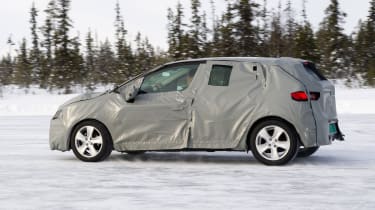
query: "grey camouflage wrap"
204, 116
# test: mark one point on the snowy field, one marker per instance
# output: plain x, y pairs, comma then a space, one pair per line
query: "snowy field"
340, 176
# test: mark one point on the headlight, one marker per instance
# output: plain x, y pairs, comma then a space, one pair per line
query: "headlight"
57, 114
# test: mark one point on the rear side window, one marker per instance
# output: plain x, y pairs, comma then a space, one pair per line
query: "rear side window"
220, 75
313, 71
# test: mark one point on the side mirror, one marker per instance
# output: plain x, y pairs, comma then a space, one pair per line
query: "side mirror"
131, 91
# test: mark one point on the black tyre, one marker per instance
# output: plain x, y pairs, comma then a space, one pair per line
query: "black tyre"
91, 142
306, 152
274, 142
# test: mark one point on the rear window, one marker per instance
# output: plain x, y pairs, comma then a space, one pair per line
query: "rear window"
313, 71
220, 75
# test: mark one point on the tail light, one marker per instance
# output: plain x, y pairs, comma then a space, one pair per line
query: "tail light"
302, 96
299, 96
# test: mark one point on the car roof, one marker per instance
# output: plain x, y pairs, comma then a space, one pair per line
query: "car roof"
268, 60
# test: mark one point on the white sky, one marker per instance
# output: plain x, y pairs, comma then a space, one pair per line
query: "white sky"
146, 16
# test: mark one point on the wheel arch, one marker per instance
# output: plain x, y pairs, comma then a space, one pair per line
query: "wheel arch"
82, 121
267, 118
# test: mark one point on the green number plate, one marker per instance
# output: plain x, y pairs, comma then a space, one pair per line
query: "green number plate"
332, 128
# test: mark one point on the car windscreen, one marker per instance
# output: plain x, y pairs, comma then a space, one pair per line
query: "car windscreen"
313, 71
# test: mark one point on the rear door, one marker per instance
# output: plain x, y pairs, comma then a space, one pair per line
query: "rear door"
222, 104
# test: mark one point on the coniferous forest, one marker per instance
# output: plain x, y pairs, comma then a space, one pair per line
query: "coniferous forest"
55, 59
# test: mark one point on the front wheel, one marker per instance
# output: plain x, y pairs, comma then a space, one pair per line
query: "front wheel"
91, 142
274, 142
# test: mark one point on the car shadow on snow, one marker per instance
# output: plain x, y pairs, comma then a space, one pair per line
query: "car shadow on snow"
227, 158
187, 157
232, 158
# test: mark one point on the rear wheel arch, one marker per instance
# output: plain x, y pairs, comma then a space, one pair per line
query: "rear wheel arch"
268, 118
82, 121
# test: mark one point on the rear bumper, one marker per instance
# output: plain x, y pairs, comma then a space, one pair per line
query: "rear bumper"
324, 136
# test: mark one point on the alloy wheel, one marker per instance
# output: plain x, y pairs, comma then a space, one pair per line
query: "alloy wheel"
88, 141
272, 142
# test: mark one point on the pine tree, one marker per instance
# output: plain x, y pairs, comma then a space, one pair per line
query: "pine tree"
123, 49
64, 25
35, 53
90, 61
305, 43
304, 40
215, 45
105, 70
64, 71
76, 65
6, 70
195, 33
8, 63
48, 31
246, 33
264, 32
144, 54
178, 39
370, 76
370, 40
333, 43
172, 41
276, 44
364, 47
211, 46
205, 45
227, 39
23, 67
361, 47
289, 32
68, 60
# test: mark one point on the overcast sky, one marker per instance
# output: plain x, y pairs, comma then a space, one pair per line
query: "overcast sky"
146, 16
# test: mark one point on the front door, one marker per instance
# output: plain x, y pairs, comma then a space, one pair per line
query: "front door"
159, 118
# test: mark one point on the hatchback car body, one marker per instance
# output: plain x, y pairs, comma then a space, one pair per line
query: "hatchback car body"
276, 107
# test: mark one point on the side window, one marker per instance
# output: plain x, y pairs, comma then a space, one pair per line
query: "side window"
171, 78
220, 75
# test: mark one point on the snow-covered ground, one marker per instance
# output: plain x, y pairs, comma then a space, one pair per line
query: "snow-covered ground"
340, 176
15, 101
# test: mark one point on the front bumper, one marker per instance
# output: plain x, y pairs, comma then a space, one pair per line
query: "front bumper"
58, 135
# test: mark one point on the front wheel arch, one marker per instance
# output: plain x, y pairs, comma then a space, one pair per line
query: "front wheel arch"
82, 121
263, 119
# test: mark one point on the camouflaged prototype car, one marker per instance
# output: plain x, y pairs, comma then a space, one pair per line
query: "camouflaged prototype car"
276, 107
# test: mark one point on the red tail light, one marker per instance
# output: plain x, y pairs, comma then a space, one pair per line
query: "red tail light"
299, 96
302, 96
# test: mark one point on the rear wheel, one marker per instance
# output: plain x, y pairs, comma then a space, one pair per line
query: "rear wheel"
306, 152
91, 142
274, 142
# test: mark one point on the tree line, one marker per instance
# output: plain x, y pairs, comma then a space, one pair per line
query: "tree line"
55, 59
